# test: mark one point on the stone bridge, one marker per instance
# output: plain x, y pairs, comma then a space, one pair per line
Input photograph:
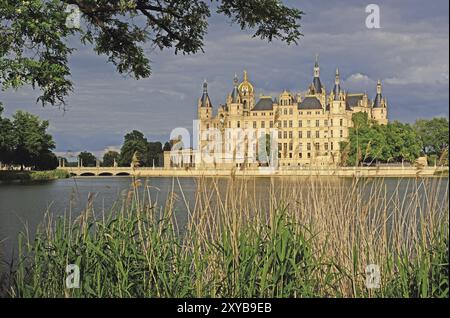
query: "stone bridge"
319, 171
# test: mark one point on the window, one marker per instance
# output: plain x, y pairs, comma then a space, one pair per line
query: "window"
285, 134
290, 124
308, 123
308, 113
326, 146
331, 133
290, 157
325, 122
290, 111
309, 155
332, 146
263, 124
317, 134
331, 122
308, 146
341, 122
254, 124
291, 147
317, 146
285, 111
285, 123
341, 133
317, 123
299, 123
271, 124
279, 134
300, 155
238, 124
290, 134
308, 134
300, 134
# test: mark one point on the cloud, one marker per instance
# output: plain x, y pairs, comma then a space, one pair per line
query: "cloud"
409, 54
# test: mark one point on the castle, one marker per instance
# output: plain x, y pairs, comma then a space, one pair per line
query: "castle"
309, 127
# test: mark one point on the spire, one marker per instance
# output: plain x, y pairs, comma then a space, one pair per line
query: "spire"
235, 92
379, 87
205, 101
378, 98
337, 85
316, 81
245, 76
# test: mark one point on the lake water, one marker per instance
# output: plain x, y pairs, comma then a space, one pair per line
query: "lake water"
24, 205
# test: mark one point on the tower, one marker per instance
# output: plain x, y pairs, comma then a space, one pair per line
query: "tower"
337, 101
379, 108
247, 93
317, 84
204, 104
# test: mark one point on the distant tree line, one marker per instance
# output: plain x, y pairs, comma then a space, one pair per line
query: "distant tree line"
136, 148
370, 142
24, 142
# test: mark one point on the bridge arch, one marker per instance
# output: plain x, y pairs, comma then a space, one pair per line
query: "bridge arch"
72, 174
87, 174
105, 174
122, 174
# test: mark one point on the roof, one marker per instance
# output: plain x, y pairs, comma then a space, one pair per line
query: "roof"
353, 100
235, 95
317, 85
377, 101
206, 101
265, 103
310, 102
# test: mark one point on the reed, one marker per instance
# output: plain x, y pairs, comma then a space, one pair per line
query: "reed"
309, 237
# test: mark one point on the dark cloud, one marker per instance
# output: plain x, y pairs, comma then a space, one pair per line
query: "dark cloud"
409, 53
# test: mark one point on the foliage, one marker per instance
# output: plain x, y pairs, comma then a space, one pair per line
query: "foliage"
24, 141
9, 175
134, 142
7, 139
371, 142
34, 36
109, 158
87, 159
434, 135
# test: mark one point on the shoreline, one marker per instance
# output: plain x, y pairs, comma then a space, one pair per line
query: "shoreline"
310, 172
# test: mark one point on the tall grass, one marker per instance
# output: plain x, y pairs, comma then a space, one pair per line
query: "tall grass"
295, 238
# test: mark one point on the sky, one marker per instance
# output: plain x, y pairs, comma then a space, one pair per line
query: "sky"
409, 54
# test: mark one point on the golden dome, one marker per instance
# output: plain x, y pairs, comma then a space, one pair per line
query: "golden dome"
246, 87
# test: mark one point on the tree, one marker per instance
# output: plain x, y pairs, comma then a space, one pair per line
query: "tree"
46, 161
34, 34
167, 146
402, 142
434, 135
134, 142
109, 158
370, 142
7, 139
31, 138
155, 150
87, 159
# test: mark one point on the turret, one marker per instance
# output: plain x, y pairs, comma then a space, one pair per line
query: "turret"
204, 104
317, 84
379, 109
337, 86
247, 93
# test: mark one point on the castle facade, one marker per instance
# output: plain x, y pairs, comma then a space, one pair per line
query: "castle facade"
308, 128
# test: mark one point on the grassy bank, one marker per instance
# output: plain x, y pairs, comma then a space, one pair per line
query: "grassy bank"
33, 175
298, 239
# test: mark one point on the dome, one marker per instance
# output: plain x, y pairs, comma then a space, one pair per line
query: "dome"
246, 88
